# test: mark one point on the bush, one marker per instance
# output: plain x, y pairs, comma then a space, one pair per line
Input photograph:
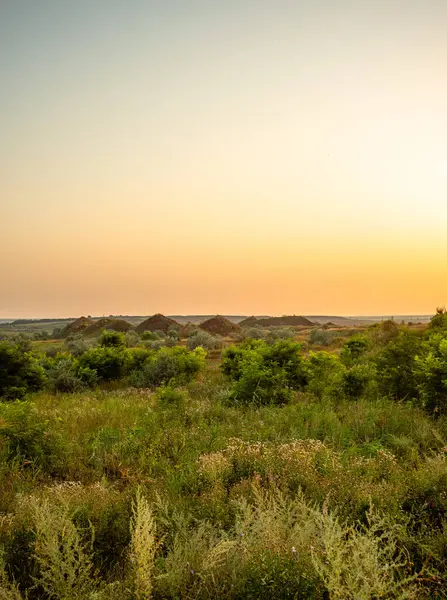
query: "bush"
20, 372
439, 321
77, 344
27, 437
354, 348
320, 337
205, 340
110, 363
431, 374
169, 365
325, 372
132, 339
112, 339
262, 373
396, 364
65, 374
357, 380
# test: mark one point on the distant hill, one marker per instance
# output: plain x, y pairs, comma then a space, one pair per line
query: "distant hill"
158, 322
249, 321
77, 326
219, 325
96, 327
285, 321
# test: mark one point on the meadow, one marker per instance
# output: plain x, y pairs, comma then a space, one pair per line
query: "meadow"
274, 463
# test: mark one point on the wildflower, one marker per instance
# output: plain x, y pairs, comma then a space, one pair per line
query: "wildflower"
191, 571
293, 549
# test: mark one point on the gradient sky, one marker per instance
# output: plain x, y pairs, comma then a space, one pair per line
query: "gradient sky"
237, 156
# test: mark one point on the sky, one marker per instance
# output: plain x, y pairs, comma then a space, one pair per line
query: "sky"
233, 157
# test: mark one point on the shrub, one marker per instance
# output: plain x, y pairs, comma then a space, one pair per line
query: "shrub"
110, 363
354, 348
112, 339
396, 367
320, 337
431, 373
132, 339
27, 437
169, 365
20, 372
439, 321
325, 372
357, 380
204, 340
77, 344
262, 373
62, 375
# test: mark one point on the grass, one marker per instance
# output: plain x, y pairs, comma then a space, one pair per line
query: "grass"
133, 493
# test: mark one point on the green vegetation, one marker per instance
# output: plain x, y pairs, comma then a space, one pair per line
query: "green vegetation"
131, 470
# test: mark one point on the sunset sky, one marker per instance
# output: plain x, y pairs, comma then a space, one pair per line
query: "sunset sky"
223, 156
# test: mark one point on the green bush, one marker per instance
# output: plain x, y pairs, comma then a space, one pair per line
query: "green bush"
263, 373
20, 371
77, 344
205, 340
112, 339
439, 320
355, 347
325, 372
109, 362
66, 374
396, 365
27, 437
358, 380
431, 373
169, 365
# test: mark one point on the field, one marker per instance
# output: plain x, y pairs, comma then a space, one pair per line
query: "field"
287, 463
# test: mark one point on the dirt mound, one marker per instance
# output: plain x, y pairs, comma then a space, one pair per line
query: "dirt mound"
158, 322
107, 323
285, 321
219, 325
78, 326
248, 322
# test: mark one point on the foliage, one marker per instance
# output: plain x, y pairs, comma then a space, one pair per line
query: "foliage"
396, 366
20, 371
109, 362
262, 373
204, 340
169, 365
112, 339
354, 348
439, 320
431, 373
328, 483
143, 546
320, 337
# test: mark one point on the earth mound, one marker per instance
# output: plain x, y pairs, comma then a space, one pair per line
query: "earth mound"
285, 321
107, 323
219, 325
158, 322
78, 326
248, 322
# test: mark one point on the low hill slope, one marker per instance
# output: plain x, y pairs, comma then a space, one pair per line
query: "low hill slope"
248, 322
78, 326
107, 323
219, 325
158, 322
285, 321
